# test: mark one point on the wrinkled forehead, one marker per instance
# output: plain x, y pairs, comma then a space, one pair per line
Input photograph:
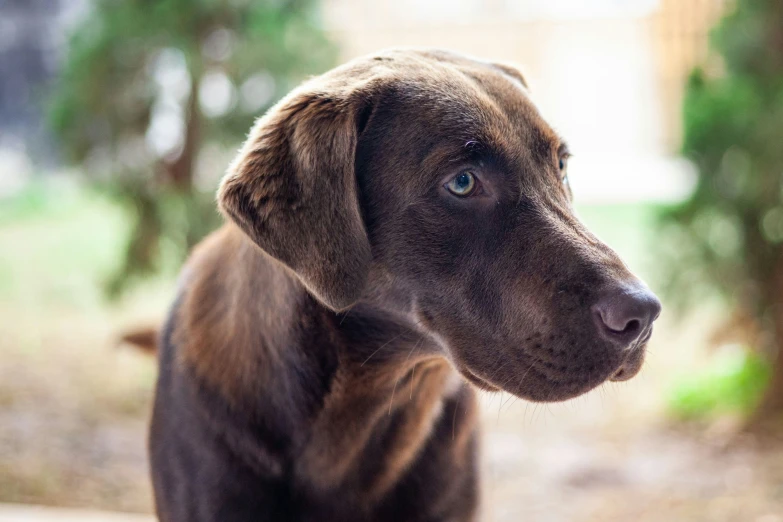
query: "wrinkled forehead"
478, 107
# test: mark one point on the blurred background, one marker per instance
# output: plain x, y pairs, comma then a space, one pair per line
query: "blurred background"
118, 117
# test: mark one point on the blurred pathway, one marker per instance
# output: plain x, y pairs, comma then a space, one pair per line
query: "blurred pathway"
22, 513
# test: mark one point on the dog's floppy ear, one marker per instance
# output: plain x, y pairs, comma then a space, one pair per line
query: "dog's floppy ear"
512, 71
293, 190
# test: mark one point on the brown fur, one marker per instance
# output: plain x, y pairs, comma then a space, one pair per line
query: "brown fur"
144, 339
312, 367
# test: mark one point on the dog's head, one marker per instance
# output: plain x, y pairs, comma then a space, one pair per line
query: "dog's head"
429, 182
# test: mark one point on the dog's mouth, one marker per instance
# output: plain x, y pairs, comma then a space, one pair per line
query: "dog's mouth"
633, 363
547, 365
552, 381
478, 381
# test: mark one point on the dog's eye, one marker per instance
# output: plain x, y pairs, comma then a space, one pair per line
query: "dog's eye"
563, 166
463, 184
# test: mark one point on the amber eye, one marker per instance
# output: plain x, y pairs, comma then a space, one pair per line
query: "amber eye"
563, 165
463, 184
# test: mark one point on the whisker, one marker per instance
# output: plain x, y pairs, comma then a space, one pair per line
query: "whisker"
413, 371
345, 314
454, 418
381, 347
391, 401
387, 343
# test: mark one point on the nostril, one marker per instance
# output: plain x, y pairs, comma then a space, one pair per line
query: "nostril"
624, 313
617, 323
632, 326
619, 375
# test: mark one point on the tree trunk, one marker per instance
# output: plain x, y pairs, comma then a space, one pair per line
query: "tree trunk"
142, 251
180, 171
768, 416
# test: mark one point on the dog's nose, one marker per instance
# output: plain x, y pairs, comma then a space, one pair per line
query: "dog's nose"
624, 314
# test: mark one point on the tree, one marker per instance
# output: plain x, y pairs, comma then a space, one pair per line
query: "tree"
729, 234
150, 88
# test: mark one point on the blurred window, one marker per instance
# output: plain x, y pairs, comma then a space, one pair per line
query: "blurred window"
574, 9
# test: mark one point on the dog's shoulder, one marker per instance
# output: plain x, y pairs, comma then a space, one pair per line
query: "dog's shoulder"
222, 318
243, 323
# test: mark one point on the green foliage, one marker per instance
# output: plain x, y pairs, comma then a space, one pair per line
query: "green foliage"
729, 234
733, 384
151, 88
28, 202
58, 242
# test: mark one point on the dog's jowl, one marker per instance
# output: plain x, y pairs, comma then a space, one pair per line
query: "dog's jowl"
399, 231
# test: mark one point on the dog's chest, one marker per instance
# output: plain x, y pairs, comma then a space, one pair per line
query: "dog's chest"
367, 436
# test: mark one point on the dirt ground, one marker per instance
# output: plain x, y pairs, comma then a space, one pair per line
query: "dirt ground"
578, 470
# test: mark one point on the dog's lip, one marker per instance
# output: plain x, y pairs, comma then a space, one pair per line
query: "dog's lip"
627, 369
639, 344
642, 342
478, 381
633, 363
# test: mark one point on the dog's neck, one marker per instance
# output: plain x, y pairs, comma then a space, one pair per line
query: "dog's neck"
260, 341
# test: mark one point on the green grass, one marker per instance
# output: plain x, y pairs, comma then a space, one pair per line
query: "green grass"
58, 244
733, 383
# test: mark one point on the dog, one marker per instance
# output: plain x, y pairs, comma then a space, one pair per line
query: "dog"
399, 232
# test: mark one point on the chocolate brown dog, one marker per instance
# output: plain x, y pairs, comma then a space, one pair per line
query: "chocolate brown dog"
397, 227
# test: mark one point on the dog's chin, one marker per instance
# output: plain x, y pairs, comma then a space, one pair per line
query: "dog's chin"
557, 391
631, 366
537, 387
533, 378
571, 386
543, 391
